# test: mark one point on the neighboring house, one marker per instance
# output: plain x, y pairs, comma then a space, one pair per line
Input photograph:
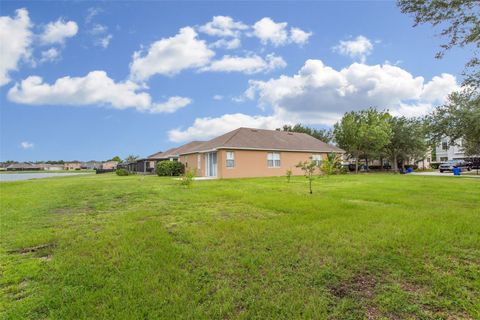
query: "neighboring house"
445, 151
74, 165
23, 166
247, 152
147, 165
51, 167
109, 165
91, 165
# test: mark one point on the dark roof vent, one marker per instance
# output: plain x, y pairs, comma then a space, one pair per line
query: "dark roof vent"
290, 133
254, 130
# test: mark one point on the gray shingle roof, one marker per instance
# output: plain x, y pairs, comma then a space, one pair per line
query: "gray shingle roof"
175, 152
260, 139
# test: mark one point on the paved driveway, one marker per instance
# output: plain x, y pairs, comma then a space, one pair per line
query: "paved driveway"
444, 174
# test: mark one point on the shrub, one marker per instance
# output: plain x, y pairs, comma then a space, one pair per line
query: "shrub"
170, 168
121, 172
331, 165
288, 174
187, 178
434, 165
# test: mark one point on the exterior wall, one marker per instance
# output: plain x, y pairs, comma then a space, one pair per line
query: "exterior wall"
190, 163
249, 163
108, 165
453, 152
72, 166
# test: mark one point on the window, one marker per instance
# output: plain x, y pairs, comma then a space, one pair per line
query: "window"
317, 158
444, 145
230, 159
199, 161
273, 160
443, 159
185, 159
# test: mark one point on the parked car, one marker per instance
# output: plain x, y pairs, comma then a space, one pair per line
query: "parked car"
450, 165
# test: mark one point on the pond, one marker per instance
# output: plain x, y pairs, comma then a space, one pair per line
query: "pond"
41, 175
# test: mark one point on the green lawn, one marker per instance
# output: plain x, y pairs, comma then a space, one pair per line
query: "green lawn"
367, 246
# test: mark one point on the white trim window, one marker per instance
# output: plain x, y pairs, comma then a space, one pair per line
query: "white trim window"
199, 161
317, 158
230, 159
273, 160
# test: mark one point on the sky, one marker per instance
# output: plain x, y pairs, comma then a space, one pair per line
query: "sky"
92, 80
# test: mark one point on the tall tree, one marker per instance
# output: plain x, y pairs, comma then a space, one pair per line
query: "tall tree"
458, 119
408, 140
362, 133
346, 133
116, 158
460, 20
321, 134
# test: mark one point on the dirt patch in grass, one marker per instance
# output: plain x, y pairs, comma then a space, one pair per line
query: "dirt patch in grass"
72, 211
33, 249
362, 285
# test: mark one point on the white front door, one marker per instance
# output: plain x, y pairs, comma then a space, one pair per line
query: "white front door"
211, 164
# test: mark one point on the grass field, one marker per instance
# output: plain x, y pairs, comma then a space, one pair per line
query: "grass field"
361, 247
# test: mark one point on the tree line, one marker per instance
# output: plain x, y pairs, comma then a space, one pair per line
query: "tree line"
372, 134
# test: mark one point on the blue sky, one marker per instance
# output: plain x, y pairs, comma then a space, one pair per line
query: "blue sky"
91, 80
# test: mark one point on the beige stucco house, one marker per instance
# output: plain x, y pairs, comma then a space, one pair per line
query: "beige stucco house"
247, 152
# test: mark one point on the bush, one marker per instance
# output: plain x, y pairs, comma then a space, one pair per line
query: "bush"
288, 174
170, 168
121, 172
187, 178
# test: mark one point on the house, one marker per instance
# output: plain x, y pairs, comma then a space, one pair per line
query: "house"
147, 165
109, 165
23, 166
445, 151
51, 167
74, 165
247, 152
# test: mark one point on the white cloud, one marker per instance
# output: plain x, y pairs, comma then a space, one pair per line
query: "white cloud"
50, 55
437, 90
96, 88
320, 94
269, 31
206, 128
223, 26
299, 36
217, 97
169, 56
100, 34
227, 44
58, 31
250, 64
15, 39
26, 145
359, 48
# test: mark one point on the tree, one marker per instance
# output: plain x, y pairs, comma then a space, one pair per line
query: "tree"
116, 158
458, 119
363, 133
407, 140
460, 20
320, 134
308, 168
332, 164
131, 158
